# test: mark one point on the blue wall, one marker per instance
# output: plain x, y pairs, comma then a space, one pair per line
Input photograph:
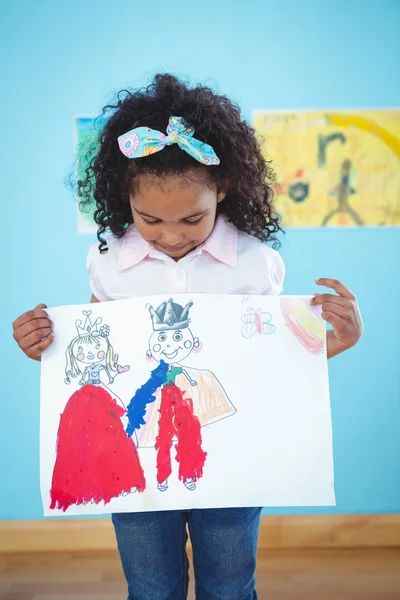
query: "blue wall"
64, 58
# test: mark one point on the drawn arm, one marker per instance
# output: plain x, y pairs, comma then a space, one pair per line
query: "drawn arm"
83, 379
136, 409
190, 380
110, 378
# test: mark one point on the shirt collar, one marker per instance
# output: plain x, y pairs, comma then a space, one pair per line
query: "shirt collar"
221, 244
134, 249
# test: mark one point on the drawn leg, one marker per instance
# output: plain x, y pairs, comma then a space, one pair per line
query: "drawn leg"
355, 215
189, 451
329, 217
166, 431
133, 491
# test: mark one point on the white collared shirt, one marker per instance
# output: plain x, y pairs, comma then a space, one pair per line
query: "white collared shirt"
228, 262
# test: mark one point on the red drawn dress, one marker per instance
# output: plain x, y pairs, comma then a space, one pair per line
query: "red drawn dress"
96, 460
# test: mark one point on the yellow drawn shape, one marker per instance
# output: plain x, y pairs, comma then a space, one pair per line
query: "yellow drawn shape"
353, 120
307, 319
369, 139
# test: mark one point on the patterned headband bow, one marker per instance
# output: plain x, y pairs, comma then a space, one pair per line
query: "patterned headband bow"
143, 141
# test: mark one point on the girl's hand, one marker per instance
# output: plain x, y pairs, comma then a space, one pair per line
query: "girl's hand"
33, 332
342, 313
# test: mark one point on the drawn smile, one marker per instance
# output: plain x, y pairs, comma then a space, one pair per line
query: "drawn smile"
173, 354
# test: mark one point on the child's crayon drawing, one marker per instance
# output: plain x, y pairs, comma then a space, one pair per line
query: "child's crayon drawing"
334, 168
86, 133
95, 459
173, 405
90, 352
257, 322
130, 389
305, 322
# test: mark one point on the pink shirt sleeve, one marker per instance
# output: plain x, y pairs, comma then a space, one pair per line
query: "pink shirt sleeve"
92, 267
275, 272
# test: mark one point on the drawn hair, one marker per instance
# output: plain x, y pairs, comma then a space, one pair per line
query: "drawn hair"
244, 172
72, 365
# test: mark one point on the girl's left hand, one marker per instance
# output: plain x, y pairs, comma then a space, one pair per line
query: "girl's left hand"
342, 313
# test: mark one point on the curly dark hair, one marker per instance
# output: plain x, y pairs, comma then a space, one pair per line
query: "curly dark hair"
217, 121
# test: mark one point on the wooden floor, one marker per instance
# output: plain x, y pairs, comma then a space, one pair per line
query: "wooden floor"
282, 575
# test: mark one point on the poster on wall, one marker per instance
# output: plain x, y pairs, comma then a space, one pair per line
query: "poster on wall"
195, 401
334, 168
86, 131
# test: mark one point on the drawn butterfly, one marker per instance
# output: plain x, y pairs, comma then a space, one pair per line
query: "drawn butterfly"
257, 321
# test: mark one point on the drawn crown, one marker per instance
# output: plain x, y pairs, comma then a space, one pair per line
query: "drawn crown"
170, 315
88, 326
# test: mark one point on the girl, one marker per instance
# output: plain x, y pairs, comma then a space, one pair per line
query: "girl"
180, 181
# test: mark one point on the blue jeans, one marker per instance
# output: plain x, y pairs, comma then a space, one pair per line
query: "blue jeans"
152, 548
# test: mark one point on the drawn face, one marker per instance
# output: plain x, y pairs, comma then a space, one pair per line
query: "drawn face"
91, 350
172, 346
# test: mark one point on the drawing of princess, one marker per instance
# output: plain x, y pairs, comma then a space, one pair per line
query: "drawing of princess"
92, 348
177, 401
96, 461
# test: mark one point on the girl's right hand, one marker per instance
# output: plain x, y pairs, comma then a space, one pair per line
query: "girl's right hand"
33, 332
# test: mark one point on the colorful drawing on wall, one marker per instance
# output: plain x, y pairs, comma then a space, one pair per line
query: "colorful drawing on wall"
334, 168
95, 461
152, 430
186, 398
86, 135
305, 322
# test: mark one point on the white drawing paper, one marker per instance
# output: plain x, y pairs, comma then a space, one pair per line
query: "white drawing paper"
190, 401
